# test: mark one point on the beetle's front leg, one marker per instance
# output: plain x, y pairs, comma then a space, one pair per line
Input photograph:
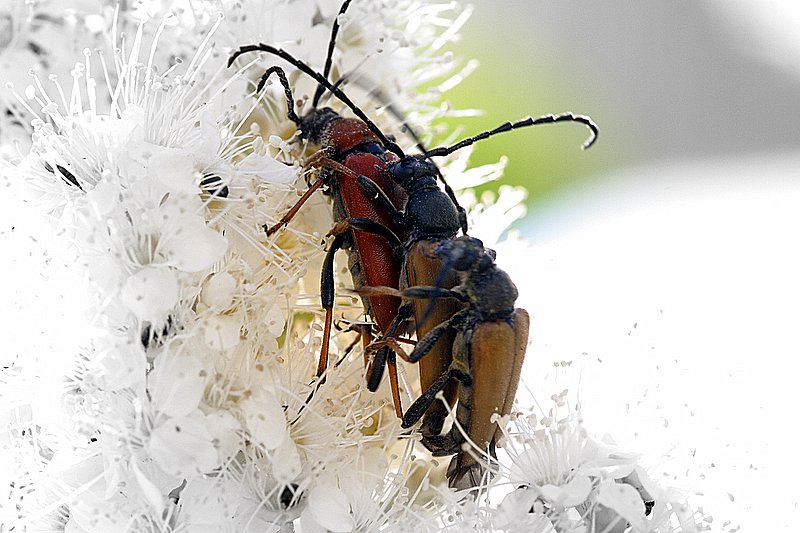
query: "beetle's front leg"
327, 295
426, 344
421, 404
377, 194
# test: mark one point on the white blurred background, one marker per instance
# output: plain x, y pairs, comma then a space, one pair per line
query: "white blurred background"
665, 264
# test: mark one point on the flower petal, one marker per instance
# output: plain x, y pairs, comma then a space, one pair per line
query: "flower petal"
118, 363
151, 293
329, 508
267, 169
174, 168
183, 446
223, 332
514, 508
624, 500
152, 495
265, 420
193, 247
570, 494
176, 384
218, 291
286, 465
226, 433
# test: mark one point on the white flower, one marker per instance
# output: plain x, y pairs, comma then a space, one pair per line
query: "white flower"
150, 294
328, 510
39, 35
576, 483
183, 446
265, 419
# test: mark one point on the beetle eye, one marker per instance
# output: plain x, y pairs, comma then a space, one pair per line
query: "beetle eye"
402, 171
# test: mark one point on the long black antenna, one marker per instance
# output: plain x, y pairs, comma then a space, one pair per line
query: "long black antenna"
287, 91
337, 92
286, 56
329, 58
462, 214
508, 126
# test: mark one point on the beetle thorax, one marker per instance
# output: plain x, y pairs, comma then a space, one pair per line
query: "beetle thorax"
345, 134
431, 214
492, 293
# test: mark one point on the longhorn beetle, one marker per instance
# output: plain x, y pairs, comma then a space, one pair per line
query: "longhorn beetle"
359, 163
489, 347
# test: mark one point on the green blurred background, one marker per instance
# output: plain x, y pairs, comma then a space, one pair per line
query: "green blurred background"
665, 82
516, 79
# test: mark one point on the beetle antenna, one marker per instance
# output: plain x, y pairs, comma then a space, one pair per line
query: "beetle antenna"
462, 213
329, 57
287, 91
524, 123
341, 96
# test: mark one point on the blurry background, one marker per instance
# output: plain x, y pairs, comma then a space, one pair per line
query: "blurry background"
663, 274
663, 81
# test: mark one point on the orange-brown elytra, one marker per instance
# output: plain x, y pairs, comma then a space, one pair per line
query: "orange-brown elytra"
491, 336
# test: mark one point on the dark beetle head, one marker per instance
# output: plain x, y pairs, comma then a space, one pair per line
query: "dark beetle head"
314, 125
465, 253
411, 169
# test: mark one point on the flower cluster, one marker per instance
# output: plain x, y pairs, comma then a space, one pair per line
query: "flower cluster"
571, 482
184, 397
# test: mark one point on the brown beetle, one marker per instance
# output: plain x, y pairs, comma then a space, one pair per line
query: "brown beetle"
489, 347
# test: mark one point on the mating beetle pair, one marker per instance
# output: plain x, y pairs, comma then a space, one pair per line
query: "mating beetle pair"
399, 229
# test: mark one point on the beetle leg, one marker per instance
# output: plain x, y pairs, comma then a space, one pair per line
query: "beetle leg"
370, 226
367, 225
391, 366
464, 472
425, 344
439, 445
379, 290
425, 292
433, 293
296, 207
380, 197
322, 160
327, 294
366, 337
391, 343
375, 370
421, 404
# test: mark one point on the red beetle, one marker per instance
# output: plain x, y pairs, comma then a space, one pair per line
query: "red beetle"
363, 227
